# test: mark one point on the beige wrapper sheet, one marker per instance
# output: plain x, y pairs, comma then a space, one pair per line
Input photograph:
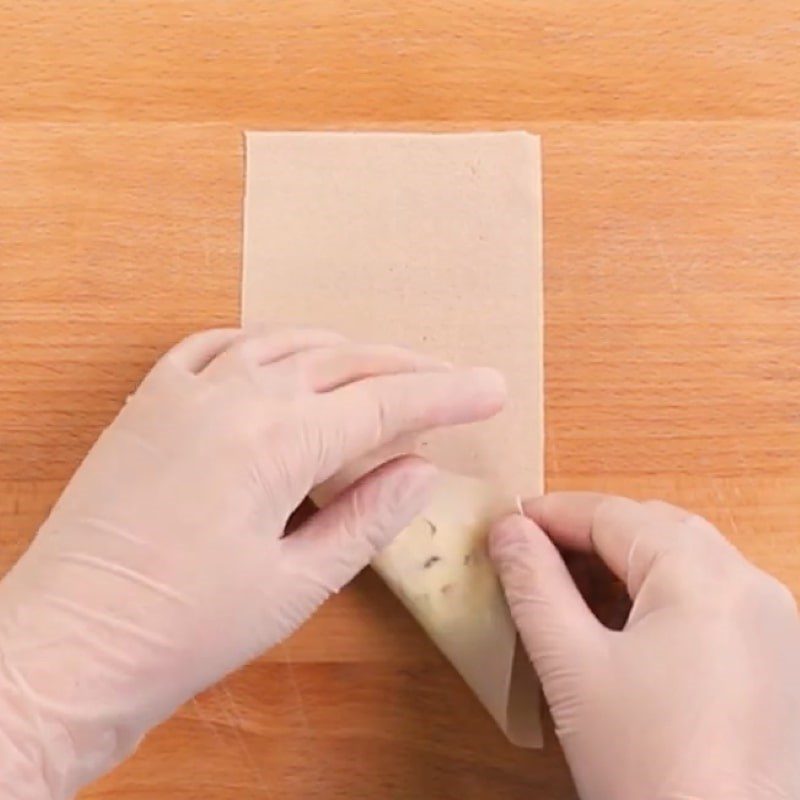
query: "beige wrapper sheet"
432, 241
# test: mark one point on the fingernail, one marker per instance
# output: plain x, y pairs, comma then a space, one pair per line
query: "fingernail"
507, 536
490, 386
531, 506
435, 364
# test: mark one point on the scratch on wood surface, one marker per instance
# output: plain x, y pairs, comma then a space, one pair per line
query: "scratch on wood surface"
236, 724
211, 725
668, 267
206, 248
301, 706
741, 458
655, 235
205, 721
285, 655
725, 509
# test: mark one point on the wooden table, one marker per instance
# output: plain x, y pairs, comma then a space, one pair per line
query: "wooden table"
672, 184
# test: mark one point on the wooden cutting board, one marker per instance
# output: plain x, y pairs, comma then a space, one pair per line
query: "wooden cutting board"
672, 187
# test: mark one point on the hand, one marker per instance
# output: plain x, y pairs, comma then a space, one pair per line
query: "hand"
699, 695
163, 566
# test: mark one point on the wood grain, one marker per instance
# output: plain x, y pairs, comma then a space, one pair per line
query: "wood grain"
303, 62
672, 186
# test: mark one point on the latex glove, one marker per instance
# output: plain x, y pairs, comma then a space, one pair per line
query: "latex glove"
162, 567
699, 695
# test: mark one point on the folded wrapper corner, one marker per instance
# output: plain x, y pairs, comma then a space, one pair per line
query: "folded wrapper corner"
440, 570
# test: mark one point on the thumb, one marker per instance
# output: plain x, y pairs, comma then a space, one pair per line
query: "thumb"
341, 539
560, 633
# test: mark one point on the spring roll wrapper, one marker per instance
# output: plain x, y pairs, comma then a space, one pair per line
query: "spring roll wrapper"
440, 570
432, 241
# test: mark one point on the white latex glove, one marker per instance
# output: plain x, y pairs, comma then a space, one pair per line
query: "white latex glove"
698, 698
162, 567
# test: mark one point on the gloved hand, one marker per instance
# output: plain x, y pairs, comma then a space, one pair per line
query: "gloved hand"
699, 696
163, 566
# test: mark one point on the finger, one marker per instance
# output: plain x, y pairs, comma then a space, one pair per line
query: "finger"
560, 633
259, 350
365, 415
627, 535
351, 472
705, 531
668, 511
195, 352
332, 367
341, 539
